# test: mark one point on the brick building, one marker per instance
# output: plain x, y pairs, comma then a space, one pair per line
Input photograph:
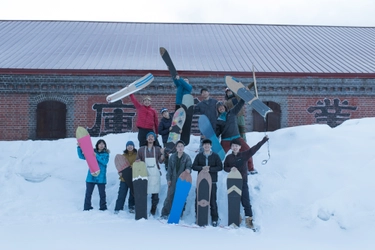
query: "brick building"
54, 76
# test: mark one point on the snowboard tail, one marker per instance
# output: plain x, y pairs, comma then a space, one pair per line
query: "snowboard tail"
239, 89
131, 88
204, 185
85, 144
168, 61
178, 121
140, 180
188, 106
234, 190
183, 186
206, 129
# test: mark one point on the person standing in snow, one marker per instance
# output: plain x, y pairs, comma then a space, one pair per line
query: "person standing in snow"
152, 155
102, 156
130, 153
178, 163
209, 161
237, 161
147, 120
164, 128
207, 107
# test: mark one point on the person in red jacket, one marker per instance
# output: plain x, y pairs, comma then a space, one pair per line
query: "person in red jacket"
147, 120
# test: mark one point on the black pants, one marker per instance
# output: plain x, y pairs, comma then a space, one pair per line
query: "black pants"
142, 132
89, 189
122, 192
245, 199
154, 199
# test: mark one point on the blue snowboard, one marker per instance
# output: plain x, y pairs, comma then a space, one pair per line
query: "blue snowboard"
206, 129
183, 186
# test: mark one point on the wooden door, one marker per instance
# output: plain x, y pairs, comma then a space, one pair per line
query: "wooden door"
51, 120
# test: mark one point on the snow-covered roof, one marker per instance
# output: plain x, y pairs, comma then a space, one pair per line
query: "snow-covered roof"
78, 45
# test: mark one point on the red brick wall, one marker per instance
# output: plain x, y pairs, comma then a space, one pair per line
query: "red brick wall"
14, 116
298, 106
85, 115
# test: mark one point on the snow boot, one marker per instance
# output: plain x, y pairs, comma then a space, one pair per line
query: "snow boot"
249, 222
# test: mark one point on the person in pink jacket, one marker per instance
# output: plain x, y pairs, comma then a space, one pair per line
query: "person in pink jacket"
147, 120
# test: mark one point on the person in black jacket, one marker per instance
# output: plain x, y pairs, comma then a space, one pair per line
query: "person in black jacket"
164, 128
237, 161
211, 162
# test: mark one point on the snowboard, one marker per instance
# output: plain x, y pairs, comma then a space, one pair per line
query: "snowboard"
239, 89
188, 106
168, 61
206, 129
123, 165
84, 141
181, 193
204, 184
178, 121
234, 189
140, 180
131, 88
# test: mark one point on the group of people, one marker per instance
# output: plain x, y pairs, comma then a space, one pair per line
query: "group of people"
226, 118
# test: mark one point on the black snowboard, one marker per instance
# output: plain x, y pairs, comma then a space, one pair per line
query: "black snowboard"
204, 183
168, 61
234, 188
188, 106
140, 189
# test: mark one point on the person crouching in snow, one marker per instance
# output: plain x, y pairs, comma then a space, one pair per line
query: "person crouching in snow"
238, 161
102, 156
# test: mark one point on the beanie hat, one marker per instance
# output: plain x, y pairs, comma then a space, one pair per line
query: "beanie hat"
163, 110
151, 133
130, 143
235, 141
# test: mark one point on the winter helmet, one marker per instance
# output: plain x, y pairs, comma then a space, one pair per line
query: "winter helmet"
163, 110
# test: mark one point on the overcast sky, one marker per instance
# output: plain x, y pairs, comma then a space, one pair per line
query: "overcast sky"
300, 12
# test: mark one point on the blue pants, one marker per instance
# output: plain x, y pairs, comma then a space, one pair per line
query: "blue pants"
89, 190
122, 192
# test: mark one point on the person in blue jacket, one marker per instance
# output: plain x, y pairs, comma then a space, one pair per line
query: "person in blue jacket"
102, 156
183, 88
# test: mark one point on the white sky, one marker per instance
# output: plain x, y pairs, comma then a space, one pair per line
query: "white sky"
300, 12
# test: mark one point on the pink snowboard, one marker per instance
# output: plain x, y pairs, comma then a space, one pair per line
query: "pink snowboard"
84, 141
121, 162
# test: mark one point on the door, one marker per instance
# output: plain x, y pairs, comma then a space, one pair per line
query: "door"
51, 120
273, 121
